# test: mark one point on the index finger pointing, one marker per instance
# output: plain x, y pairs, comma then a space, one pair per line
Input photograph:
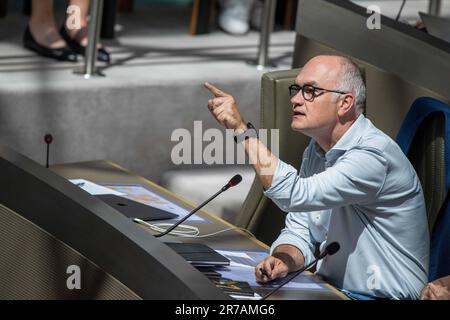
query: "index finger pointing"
215, 91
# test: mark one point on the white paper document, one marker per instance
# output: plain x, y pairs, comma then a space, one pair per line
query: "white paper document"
243, 259
242, 268
93, 188
239, 297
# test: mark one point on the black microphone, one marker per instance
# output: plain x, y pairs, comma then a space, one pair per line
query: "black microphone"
233, 182
48, 138
330, 249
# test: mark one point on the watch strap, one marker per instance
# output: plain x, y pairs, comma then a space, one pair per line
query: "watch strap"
249, 133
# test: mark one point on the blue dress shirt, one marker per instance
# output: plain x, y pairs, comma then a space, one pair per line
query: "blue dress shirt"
364, 194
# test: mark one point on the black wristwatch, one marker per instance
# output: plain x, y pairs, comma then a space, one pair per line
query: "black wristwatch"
249, 133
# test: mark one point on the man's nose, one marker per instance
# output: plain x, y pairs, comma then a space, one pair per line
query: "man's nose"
297, 100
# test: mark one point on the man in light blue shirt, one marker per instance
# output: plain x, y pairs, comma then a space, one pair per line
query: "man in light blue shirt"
355, 187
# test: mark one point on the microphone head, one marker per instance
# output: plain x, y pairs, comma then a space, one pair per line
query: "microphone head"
332, 248
235, 180
48, 138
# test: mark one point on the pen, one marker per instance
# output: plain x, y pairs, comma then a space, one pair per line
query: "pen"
81, 184
264, 273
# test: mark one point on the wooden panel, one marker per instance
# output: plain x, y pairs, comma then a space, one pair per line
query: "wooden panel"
202, 12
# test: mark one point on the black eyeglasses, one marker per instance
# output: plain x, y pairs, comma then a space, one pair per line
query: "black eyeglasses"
309, 92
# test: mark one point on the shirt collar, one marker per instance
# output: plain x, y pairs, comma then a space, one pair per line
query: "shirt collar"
346, 142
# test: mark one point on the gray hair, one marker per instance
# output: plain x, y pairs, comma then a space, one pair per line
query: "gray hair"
351, 80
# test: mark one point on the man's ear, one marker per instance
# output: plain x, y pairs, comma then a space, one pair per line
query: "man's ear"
347, 103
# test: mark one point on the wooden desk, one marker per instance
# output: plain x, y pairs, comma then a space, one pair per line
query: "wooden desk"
105, 172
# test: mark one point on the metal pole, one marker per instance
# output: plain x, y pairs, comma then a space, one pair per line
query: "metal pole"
434, 7
268, 20
95, 21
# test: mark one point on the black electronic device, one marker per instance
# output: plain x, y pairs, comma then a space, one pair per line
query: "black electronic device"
199, 254
134, 209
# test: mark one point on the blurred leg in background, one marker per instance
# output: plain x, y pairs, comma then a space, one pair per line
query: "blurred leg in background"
77, 37
41, 34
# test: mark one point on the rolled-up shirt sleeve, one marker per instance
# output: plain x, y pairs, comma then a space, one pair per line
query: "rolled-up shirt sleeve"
297, 233
356, 177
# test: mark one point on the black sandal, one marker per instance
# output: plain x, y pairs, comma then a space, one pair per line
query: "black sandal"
61, 54
102, 54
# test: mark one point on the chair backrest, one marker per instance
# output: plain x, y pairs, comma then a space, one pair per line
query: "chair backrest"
259, 214
440, 243
427, 157
422, 137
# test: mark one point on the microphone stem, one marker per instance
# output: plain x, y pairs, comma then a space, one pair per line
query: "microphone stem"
190, 214
48, 154
289, 278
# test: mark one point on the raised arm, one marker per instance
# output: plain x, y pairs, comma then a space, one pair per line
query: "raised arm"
224, 109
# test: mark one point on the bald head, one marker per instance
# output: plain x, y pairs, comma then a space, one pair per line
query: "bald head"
329, 99
329, 61
341, 74
324, 70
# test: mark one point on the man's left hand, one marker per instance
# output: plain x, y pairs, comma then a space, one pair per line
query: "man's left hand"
437, 290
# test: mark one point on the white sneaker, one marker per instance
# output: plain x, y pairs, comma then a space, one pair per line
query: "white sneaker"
234, 16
